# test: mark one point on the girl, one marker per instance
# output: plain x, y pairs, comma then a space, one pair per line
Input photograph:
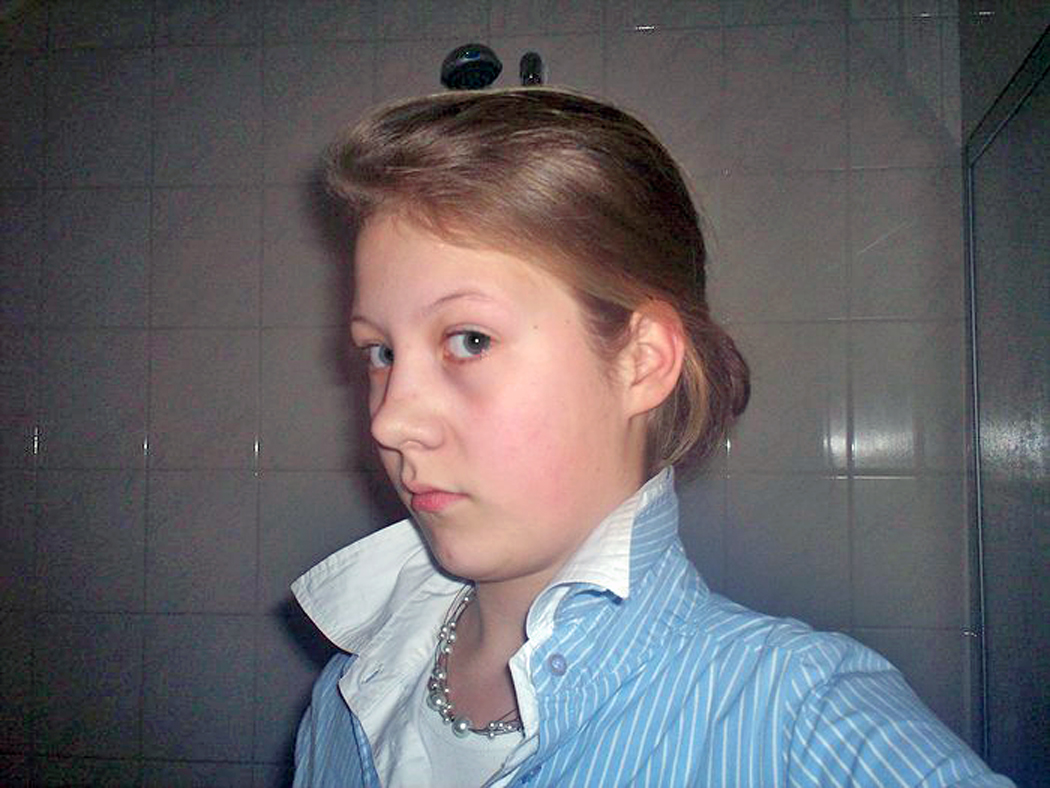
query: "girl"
529, 298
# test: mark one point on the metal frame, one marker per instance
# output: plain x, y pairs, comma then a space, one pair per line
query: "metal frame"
1005, 107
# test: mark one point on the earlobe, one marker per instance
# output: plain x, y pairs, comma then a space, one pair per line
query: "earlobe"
653, 357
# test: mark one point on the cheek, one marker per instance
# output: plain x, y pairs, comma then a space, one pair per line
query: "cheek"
541, 437
375, 395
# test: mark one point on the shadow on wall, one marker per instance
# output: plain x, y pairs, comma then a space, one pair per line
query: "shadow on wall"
335, 231
332, 227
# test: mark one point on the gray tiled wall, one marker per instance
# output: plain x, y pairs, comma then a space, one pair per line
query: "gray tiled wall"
177, 441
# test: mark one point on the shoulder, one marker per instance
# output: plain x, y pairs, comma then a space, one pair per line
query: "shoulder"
769, 660
731, 628
842, 713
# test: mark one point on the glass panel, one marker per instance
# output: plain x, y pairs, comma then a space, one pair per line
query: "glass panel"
1011, 244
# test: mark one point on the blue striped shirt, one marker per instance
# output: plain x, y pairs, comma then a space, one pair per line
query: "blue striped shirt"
661, 684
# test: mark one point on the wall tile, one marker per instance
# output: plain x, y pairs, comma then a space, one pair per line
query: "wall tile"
907, 249
208, 105
202, 542
922, 63
909, 552
764, 12
896, 115
892, 9
681, 99
320, 20
788, 547
515, 17
18, 529
21, 241
198, 700
63, 772
702, 523
273, 775
189, 774
16, 770
413, 68
908, 396
93, 398
572, 61
98, 118
311, 418
25, 27
788, 88
23, 85
208, 22
91, 545
16, 681
951, 82
796, 420
99, 716
783, 237
935, 663
100, 23
206, 257
874, 9
307, 255
203, 399
658, 14
305, 517
95, 267
312, 91
19, 406
466, 19
290, 672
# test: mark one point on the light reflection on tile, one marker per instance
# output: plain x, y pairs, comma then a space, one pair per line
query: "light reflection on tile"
908, 396
796, 420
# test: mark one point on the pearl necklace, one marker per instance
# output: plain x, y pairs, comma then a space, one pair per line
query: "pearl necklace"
437, 686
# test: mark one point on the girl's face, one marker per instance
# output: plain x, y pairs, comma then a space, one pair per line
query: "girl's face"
504, 433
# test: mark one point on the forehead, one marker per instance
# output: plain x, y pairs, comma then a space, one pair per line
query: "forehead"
398, 261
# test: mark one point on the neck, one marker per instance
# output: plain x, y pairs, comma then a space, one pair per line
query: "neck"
495, 622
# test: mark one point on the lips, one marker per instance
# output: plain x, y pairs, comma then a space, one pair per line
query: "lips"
434, 501
430, 499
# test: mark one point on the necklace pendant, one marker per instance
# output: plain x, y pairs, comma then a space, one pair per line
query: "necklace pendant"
461, 727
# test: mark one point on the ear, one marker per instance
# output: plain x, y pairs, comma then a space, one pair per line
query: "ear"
651, 362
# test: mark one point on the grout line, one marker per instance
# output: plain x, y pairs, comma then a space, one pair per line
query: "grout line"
257, 486
851, 509
37, 384
150, 280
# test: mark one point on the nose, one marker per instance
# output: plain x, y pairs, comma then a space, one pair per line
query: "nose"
404, 409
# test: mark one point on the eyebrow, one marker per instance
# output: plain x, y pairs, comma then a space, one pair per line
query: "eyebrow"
456, 295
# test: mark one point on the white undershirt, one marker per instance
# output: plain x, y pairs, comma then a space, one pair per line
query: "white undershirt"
457, 762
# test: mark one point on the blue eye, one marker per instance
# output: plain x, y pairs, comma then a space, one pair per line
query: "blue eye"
466, 345
379, 356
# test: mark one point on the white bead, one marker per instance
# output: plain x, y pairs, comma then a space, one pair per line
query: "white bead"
461, 726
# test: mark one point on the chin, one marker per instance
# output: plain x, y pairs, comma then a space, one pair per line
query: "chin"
453, 559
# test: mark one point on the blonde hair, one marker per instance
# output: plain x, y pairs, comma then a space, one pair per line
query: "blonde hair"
584, 187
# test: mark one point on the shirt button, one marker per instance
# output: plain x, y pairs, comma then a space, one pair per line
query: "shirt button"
557, 664
530, 775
